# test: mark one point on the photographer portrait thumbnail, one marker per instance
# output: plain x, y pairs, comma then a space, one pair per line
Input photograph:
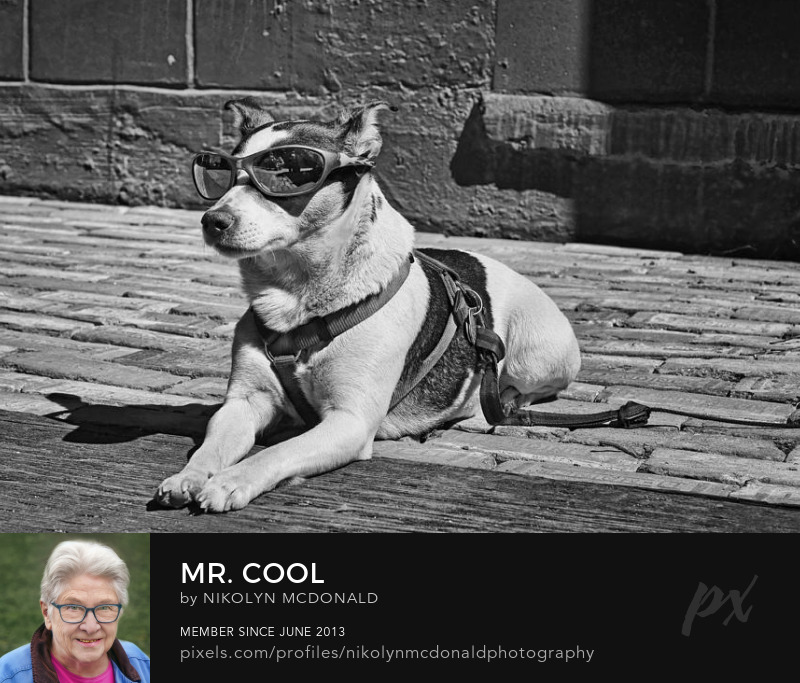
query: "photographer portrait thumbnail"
84, 593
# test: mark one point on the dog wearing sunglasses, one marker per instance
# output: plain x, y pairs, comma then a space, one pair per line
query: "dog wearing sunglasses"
297, 206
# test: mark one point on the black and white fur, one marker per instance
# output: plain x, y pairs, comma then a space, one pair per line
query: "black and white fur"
309, 255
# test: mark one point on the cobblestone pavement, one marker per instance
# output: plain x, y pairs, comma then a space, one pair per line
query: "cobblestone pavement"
109, 306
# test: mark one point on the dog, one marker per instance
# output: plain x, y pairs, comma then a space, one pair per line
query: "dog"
298, 207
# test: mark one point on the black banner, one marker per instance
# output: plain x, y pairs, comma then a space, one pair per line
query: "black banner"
241, 605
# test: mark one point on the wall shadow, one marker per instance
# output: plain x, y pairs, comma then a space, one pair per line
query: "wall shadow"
665, 148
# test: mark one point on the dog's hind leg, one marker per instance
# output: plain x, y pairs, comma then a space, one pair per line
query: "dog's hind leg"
542, 353
532, 375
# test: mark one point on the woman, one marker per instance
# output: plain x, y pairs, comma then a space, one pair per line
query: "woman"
84, 591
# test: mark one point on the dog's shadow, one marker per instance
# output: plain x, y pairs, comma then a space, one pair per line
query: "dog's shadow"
112, 424
99, 423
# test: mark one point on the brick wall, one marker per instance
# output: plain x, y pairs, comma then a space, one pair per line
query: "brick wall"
669, 123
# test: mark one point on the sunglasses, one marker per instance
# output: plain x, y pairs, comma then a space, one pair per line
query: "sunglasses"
277, 172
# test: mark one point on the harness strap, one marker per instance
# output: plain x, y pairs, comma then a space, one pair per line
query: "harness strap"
451, 285
404, 388
323, 329
283, 349
467, 313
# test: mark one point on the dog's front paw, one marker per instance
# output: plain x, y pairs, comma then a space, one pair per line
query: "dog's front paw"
180, 489
224, 492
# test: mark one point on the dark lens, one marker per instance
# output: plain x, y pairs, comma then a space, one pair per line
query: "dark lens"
212, 175
291, 170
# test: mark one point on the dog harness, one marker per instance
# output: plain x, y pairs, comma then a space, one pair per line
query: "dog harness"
467, 314
283, 350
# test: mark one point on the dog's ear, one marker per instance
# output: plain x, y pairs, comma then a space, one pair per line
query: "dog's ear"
248, 114
360, 131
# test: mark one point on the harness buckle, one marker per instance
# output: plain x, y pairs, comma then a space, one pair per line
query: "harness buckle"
477, 307
282, 358
471, 327
467, 308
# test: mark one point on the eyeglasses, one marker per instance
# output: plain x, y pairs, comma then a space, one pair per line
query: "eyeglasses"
277, 172
75, 614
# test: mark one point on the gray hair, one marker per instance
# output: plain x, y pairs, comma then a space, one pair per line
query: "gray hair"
73, 558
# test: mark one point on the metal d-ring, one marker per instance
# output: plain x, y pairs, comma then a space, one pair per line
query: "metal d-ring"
475, 310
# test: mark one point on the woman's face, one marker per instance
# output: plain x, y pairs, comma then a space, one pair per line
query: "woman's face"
82, 648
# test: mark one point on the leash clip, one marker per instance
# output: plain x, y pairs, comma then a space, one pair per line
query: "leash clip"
477, 307
631, 415
467, 309
282, 358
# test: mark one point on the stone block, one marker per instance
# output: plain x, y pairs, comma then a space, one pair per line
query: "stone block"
95, 41
648, 51
524, 142
755, 54
736, 208
541, 46
115, 145
579, 126
752, 210
612, 50
328, 46
636, 202
721, 468
63, 365
11, 45
204, 387
705, 136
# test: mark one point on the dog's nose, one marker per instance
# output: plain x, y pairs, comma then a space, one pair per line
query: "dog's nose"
217, 220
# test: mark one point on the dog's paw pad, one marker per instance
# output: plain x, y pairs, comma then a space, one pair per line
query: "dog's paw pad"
219, 496
179, 490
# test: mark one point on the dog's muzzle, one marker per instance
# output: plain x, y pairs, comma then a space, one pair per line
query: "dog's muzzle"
215, 222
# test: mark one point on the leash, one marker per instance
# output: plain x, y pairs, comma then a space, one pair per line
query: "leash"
792, 421
630, 415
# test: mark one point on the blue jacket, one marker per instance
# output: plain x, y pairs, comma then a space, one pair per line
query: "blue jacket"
32, 664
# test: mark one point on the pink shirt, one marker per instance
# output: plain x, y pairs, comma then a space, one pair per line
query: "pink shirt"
65, 676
